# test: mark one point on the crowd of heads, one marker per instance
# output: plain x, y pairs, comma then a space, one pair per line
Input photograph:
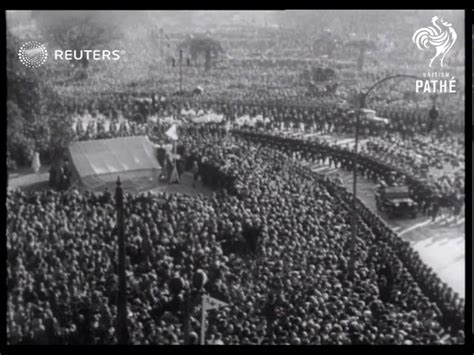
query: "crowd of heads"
274, 241
433, 164
273, 238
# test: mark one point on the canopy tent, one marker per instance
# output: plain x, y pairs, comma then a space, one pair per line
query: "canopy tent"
98, 163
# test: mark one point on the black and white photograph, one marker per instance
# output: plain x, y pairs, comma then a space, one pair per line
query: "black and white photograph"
244, 177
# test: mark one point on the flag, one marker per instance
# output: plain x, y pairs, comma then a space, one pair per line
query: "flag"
213, 303
172, 132
208, 303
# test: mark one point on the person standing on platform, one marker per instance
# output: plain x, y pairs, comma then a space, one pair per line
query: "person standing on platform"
195, 171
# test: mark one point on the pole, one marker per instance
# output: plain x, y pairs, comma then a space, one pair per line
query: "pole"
362, 100
123, 336
174, 173
187, 316
161, 43
203, 322
354, 189
180, 71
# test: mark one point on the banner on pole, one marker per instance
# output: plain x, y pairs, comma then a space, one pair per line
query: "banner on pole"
172, 132
213, 303
208, 303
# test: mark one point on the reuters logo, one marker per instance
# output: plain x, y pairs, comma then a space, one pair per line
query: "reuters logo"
33, 54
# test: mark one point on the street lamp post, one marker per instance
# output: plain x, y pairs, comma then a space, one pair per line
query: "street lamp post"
354, 223
192, 296
362, 98
433, 114
123, 336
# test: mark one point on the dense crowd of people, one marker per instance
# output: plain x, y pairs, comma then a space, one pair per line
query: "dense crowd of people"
274, 240
419, 160
332, 113
439, 164
273, 237
434, 194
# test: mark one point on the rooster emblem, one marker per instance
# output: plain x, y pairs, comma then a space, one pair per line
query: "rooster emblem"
441, 36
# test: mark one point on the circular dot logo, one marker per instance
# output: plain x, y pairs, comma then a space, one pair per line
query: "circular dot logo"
33, 54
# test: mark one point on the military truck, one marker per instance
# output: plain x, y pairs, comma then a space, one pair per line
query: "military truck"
395, 202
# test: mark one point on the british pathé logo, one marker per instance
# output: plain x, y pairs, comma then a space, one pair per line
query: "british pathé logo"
436, 82
440, 36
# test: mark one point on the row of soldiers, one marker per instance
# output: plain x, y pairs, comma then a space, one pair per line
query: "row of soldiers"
429, 199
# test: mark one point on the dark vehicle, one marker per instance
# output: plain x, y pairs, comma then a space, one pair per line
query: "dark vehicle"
395, 202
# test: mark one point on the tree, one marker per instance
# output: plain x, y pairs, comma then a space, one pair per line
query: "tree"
30, 98
16, 139
27, 95
61, 136
363, 45
27, 87
76, 30
202, 46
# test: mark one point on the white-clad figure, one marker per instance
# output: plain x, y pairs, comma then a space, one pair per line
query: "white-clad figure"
36, 164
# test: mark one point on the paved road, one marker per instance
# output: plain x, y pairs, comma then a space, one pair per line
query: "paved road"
26, 179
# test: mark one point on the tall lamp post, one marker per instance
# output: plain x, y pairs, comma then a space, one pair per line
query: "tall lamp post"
123, 336
192, 297
180, 71
362, 98
433, 114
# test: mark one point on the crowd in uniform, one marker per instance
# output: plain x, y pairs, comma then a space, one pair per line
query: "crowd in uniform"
433, 194
326, 115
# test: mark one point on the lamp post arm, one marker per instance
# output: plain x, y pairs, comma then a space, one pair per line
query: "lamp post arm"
362, 101
367, 92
